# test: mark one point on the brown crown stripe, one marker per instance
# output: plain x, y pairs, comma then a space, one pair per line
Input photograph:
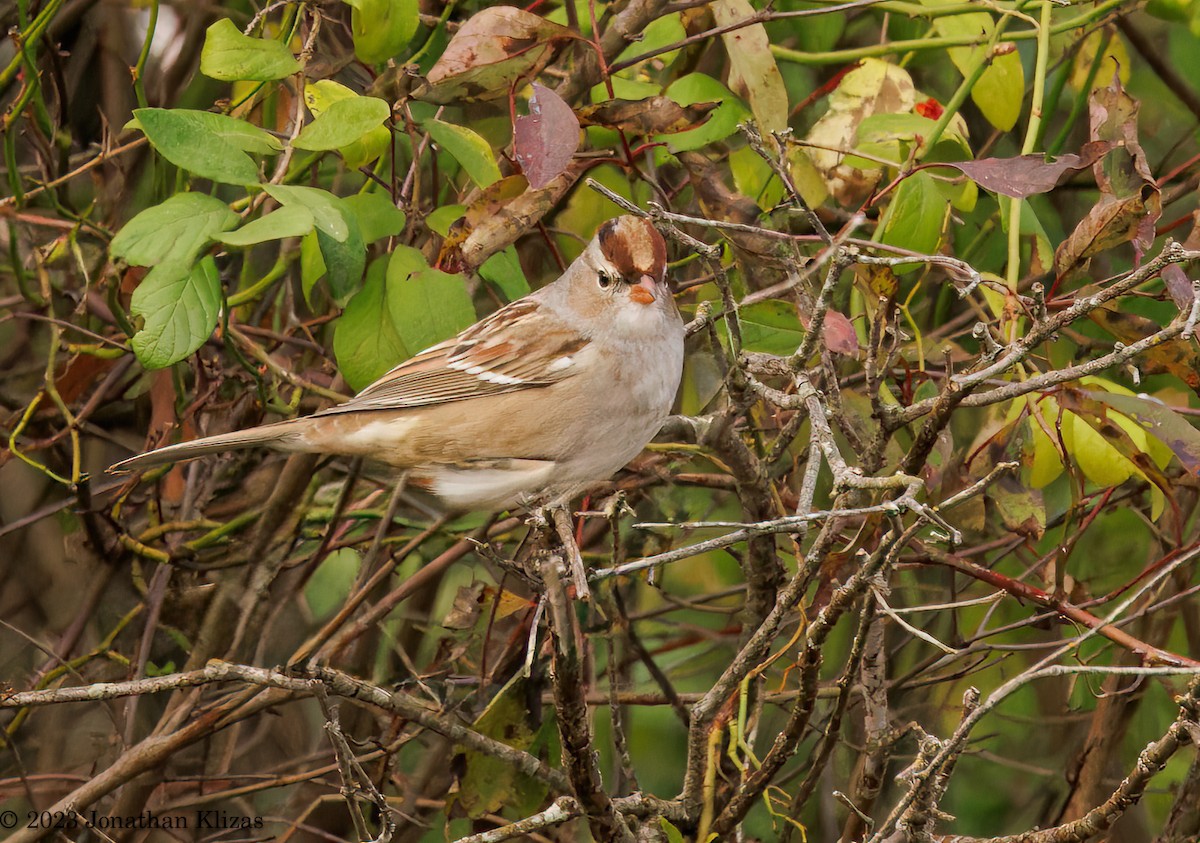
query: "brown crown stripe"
631, 251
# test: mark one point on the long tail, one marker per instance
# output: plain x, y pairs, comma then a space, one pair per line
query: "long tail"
281, 435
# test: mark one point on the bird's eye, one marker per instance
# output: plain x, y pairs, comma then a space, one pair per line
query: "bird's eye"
605, 280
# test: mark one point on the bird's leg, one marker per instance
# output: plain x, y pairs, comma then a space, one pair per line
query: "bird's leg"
566, 535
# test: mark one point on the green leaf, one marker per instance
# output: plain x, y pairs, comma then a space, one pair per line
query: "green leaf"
343, 253
326, 209
342, 123
753, 177
211, 146
695, 88
1000, 90
468, 148
366, 342
440, 219
1166, 425
180, 305
1099, 461
344, 260
673, 834
175, 231
323, 93
230, 56
330, 583
427, 305
915, 218
293, 221
312, 265
503, 270
382, 28
772, 327
660, 32
376, 215
488, 784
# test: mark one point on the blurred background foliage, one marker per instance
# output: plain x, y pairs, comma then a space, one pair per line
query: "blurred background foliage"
216, 215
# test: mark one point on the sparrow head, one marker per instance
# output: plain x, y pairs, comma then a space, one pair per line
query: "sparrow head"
629, 258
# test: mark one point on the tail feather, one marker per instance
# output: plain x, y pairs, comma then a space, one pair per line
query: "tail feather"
279, 435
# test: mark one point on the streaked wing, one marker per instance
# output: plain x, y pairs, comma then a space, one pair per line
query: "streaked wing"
520, 346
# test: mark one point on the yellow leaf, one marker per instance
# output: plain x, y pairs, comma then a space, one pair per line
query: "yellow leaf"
753, 73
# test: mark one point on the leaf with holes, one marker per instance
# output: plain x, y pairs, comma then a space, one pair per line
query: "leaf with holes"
427, 305
366, 341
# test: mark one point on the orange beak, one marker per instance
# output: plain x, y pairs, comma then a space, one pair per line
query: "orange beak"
643, 292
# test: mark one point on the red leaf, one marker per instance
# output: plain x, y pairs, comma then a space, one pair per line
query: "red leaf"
840, 337
546, 138
1026, 175
931, 108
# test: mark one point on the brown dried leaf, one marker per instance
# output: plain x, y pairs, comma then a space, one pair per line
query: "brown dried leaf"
652, 116
1179, 286
485, 205
545, 139
515, 218
490, 54
1111, 222
1176, 357
1026, 175
1022, 510
466, 608
1130, 202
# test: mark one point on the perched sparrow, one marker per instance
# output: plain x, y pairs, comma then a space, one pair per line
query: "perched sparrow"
539, 400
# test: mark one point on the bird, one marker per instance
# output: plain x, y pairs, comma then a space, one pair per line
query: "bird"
534, 404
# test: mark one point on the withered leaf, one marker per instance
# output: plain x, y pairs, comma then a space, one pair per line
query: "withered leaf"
1022, 510
490, 54
651, 116
874, 87
486, 204
546, 138
516, 217
1130, 201
1027, 175
1111, 222
840, 337
1168, 426
1179, 286
1176, 357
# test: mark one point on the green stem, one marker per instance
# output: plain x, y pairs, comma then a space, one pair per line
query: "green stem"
1013, 276
1081, 98
139, 69
34, 32
925, 44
